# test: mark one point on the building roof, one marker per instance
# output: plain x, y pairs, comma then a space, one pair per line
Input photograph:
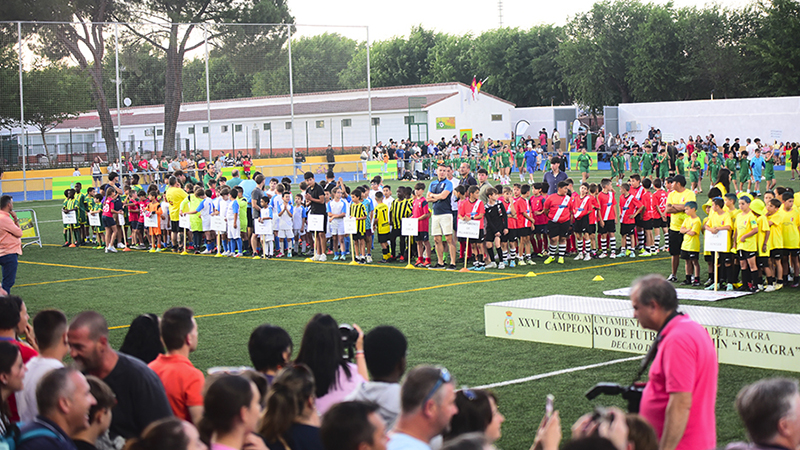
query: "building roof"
383, 99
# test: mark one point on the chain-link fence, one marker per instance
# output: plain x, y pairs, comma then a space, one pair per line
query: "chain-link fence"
74, 92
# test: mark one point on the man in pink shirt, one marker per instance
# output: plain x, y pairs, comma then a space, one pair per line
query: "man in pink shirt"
10, 243
681, 391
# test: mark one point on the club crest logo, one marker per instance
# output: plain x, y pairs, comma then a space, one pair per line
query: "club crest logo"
509, 324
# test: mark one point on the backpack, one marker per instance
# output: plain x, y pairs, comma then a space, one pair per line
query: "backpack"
13, 438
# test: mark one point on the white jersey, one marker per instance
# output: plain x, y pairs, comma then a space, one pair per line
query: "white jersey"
284, 221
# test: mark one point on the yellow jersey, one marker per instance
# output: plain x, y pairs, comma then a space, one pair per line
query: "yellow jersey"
174, 197
676, 198
745, 223
382, 218
692, 243
715, 220
775, 231
763, 229
789, 224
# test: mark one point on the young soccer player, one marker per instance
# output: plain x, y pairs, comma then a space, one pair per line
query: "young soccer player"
539, 220
744, 173
381, 225
690, 248
267, 240
337, 210
663, 164
584, 162
496, 227
584, 207
757, 165
629, 209
81, 226
680, 165
96, 209
298, 225
559, 213
526, 249
770, 158
510, 246
635, 161
649, 217
791, 240
607, 220
714, 166
111, 208
194, 211
763, 244
719, 220
775, 242
471, 209
71, 231
694, 173
285, 221
360, 214
234, 229
747, 244
142, 203
401, 209
154, 210
422, 213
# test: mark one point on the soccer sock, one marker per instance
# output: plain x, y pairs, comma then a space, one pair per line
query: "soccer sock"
746, 280
640, 236
603, 244
770, 280
666, 239
505, 255
551, 250
628, 242
612, 244
731, 274
490, 250
562, 250
513, 253
385, 253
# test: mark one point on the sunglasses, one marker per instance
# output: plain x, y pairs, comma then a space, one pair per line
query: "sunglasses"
444, 377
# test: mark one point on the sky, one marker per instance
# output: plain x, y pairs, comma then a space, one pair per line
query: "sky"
387, 19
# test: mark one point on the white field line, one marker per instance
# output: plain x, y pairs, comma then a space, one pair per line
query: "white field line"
557, 372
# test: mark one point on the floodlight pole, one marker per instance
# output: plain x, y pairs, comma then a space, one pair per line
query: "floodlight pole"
369, 98
208, 95
22, 117
291, 94
117, 83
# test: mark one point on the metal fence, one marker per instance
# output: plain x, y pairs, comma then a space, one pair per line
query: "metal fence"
222, 89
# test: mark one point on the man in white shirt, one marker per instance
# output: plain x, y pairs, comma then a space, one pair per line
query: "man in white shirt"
50, 328
428, 402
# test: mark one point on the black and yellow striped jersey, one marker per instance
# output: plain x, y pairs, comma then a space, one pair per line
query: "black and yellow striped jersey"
359, 211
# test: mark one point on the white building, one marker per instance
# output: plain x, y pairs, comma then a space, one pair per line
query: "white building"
264, 124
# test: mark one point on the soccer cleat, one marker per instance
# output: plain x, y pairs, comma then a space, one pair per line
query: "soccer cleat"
491, 265
522, 262
602, 256
531, 262
579, 257
335, 257
451, 267
631, 254
159, 250
501, 266
710, 287
696, 283
369, 259
709, 282
436, 267
769, 288
205, 252
120, 245
686, 283
323, 258
112, 250
152, 250
644, 254
672, 278
587, 257
778, 286
729, 287
549, 260
237, 255
612, 255
512, 264
561, 260
289, 255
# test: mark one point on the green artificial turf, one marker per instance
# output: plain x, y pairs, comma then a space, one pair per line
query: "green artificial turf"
441, 313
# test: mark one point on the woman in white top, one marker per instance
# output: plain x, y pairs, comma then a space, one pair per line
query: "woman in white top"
321, 350
97, 172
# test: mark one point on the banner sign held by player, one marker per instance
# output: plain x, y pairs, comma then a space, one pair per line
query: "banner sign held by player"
94, 220
470, 229
409, 227
217, 224
316, 222
716, 242
263, 228
150, 219
350, 225
69, 218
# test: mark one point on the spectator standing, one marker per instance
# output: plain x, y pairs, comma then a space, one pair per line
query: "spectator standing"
141, 398
428, 403
439, 193
330, 157
50, 327
680, 397
182, 382
467, 179
556, 137
10, 243
554, 177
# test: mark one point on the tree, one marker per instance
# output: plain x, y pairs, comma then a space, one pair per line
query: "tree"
775, 45
141, 74
451, 59
54, 94
175, 39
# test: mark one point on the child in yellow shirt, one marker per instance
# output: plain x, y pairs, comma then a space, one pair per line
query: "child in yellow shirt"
690, 248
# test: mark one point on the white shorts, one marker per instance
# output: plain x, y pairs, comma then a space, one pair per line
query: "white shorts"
234, 233
207, 223
336, 227
267, 237
441, 225
285, 234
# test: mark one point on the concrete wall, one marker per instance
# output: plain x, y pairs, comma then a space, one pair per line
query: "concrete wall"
475, 115
771, 119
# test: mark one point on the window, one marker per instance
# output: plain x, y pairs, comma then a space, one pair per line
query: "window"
347, 122
376, 121
191, 130
116, 134
224, 128
159, 132
267, 126
497, 117
288, 125
320, 124
408, 120
205, 130
237, 128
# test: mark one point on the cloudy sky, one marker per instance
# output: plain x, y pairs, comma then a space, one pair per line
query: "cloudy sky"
395, 18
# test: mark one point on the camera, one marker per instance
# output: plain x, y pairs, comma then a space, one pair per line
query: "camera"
632, 393
349, 338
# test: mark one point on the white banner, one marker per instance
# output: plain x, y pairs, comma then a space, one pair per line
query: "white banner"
716, 242
121, 219
350, 225
409, 227
470, 229
94, 220
316, 222
218, 224
70, 218
263, 228
150, 220
184, 222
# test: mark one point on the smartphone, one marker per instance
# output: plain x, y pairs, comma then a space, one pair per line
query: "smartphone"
548, 405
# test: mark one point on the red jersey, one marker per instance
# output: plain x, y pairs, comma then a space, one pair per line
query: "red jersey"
558, 208
521, 206
659, 200
607, 202
647, 201
509, 205
582, 206
470, 210
628, 206
419, 209
537, 204
108, 206
142, 208
246, 164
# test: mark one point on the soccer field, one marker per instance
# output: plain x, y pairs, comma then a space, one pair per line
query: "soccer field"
440, 312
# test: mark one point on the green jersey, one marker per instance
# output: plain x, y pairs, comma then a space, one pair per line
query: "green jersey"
635, 161
519, 158
647, 163
504, 159
584, 161
730, 164
713, 169
681, 166
744, 170
769, 170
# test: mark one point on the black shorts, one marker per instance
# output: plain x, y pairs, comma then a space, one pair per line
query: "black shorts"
422, 236
609, 227
137, 226
481, 238
581, 225
762, 261
358, 237
395, 233
777, 253
745, 255
640, 223
791, 251
109, 222
540, 229
250, 219
175, 226
384, 237
591, 228
523, 232
675, 241
558, 229
512, 235
627, 229
709, 258
647, 225
692, 256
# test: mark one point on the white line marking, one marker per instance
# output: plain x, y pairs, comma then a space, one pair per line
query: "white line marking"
557, 372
